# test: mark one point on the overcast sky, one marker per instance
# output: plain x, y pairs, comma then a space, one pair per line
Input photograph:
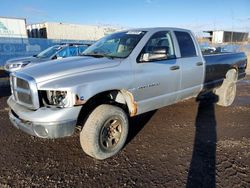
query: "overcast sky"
197, 15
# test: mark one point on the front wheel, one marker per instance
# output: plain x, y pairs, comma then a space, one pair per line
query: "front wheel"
105, 132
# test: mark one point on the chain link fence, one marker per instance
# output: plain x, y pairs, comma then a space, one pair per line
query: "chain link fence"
20, 47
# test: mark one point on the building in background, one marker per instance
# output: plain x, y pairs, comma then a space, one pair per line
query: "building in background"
227, 36
52, 30
13, 28
18, 39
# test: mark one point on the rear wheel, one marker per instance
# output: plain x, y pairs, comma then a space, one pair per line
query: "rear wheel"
227, 92
105, 132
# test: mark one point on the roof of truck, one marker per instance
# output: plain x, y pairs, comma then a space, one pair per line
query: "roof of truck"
157, 29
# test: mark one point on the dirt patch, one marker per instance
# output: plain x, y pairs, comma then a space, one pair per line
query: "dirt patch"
189, 144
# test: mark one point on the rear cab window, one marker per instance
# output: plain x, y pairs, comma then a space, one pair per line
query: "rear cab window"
186, 44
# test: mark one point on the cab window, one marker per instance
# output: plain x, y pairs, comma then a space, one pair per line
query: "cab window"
63, 53
159, 47
72, 51
82, 48
186, 44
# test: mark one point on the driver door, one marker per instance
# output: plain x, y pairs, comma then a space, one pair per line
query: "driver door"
157, 75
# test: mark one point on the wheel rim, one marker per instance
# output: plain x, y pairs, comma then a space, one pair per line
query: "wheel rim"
231, 93
110, 134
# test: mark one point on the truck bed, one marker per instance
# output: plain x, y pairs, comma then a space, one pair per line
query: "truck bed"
218, 64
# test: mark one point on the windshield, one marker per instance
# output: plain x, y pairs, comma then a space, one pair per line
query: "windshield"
118, 45
49, 52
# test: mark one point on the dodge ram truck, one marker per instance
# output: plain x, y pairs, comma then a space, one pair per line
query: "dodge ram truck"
120, 76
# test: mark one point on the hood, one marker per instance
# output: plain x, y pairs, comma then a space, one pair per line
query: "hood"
22, 59
16, 64
69, 66
25, 60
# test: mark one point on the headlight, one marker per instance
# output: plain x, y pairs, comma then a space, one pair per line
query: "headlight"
15, 65
59, 98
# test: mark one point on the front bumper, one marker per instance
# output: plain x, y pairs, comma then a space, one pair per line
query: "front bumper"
44, 122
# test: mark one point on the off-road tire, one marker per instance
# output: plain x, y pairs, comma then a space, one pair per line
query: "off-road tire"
92, 137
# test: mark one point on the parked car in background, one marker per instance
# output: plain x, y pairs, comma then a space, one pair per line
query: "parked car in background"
208, 49
51, 53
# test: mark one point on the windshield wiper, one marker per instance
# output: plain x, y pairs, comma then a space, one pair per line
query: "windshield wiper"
100, 55
94, 55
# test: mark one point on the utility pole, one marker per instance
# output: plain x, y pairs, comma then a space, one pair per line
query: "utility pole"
232, 15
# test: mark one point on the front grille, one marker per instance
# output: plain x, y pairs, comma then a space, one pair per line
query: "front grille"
24, 90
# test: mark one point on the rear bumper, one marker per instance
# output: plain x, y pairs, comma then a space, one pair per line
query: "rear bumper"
44, 122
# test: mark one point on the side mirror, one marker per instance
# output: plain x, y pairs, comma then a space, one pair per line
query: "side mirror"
159, 50
145, 57
57, 57
157, 53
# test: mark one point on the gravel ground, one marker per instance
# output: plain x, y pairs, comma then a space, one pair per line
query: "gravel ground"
189, 144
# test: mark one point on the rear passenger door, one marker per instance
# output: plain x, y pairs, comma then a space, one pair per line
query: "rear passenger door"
191, 65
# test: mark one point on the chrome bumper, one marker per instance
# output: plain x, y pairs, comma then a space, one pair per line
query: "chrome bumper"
44, 122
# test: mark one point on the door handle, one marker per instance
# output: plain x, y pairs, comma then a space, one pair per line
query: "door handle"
199, 64
174, 67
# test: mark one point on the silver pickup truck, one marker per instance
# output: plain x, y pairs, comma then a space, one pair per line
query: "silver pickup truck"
122, 75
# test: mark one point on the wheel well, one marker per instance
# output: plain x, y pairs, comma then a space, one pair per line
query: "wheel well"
120, 98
